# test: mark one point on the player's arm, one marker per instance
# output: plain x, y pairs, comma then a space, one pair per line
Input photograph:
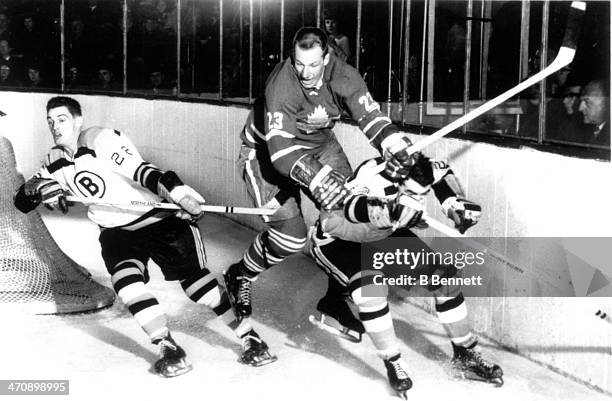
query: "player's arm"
450, 194
290, 156
381, 212
120, 153
43, 188
382, 133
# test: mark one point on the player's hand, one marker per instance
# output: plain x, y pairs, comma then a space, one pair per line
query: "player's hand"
399, 161
330, 191
190, 202
391, 213
47, 191
463, 212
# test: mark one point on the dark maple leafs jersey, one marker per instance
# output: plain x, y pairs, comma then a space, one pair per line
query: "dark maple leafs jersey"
294, 121
108, 167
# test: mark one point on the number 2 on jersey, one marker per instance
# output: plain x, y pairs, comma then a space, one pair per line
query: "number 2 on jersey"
369, 103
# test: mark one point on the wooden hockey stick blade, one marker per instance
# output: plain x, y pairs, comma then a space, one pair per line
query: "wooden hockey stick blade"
564, 57
171, 206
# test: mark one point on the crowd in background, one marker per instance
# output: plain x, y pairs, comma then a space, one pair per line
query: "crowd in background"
577, 97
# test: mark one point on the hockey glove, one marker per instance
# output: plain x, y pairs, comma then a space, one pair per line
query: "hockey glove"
395, 152
173, 189
189, 200
328, 188
463, 212
47, 191
325, 184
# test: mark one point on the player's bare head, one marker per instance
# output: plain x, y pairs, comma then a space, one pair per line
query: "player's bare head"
594, 102
310, 55
309, 37
64, 120
72, 105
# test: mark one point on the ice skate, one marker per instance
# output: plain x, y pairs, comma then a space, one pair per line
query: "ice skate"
469, 364
172, 359
255, 350
336, 317
239, 289
398, 378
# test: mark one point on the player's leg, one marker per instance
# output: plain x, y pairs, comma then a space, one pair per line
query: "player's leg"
339, 259
453, 314
371, 300
179, 251
286, 232
125, 261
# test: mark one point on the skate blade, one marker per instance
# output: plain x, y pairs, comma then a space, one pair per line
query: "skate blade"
402, 394
266, 360
344, 333
178, 371
495, 381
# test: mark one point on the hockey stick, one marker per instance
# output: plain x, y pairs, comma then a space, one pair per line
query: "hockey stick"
454, 233
171, 206
564, 57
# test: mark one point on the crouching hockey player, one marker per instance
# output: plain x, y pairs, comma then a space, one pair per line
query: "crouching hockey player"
101, 163
376, 212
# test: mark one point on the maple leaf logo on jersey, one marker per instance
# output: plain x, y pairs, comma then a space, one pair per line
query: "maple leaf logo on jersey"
318, 117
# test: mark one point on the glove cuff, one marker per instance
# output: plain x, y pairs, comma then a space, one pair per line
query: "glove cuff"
316, 180
305, 169
448, 204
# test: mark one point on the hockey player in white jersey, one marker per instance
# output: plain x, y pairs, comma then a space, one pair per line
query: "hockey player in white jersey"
101, 163
375, 212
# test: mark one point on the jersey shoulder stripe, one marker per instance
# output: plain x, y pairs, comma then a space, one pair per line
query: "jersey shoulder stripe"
59, 164
82, 151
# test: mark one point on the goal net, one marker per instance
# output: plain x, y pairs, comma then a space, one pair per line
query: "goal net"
35, 275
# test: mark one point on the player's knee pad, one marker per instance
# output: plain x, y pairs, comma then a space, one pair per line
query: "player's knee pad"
203, 288
371, 300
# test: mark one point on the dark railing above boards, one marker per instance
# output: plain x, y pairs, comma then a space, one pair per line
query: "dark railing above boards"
427, 62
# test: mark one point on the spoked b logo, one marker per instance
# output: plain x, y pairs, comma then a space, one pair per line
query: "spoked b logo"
89, 184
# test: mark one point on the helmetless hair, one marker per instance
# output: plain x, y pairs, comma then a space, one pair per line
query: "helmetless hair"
72, 105
308, 37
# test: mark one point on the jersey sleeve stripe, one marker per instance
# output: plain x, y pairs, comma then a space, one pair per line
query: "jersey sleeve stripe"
376, 121
286, 151
379, 131
256, 131
278, 132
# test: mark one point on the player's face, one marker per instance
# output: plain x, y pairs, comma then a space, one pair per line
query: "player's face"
64, 127
310, 65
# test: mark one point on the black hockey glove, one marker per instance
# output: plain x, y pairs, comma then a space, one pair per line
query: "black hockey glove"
464, 213
47, 191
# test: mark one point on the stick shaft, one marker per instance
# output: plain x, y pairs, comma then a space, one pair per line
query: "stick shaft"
171, 206
564, 57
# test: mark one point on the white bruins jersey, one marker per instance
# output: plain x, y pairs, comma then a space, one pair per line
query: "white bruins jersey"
427, 174
108, 167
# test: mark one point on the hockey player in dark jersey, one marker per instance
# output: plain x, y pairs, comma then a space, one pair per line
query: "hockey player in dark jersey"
101, 163
375, 212
288, 144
